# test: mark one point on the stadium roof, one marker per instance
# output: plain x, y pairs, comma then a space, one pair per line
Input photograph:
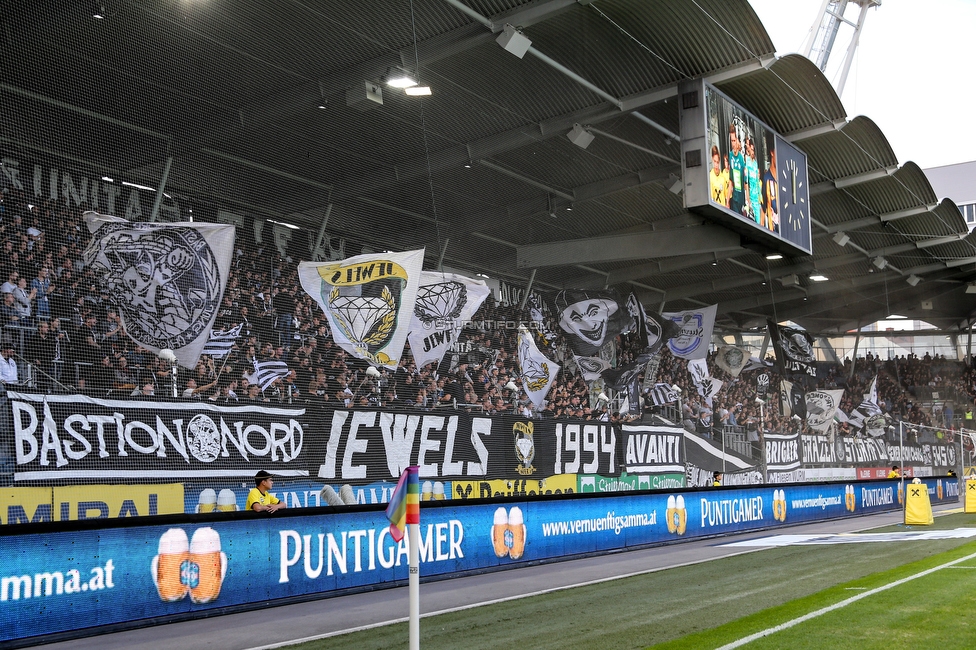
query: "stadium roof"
262, 109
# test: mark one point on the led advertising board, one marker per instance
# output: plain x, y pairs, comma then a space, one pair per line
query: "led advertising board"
738, 171
110, 575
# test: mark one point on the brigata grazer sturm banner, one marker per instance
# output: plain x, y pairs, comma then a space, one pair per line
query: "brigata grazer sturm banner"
79, 439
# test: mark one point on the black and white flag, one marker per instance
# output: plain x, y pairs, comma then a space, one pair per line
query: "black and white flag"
869, 406
652, 329
221, 341
590, 318
445, 302
755, 363
822, 407
762, 384
708, 387
265, 372
167, 279
732, 359
792, 400
591, 367
663, 394
794, 350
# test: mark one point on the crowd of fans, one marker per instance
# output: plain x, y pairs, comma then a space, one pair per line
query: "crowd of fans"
63, 334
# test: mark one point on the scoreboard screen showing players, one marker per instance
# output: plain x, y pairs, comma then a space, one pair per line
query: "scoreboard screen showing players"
740, 172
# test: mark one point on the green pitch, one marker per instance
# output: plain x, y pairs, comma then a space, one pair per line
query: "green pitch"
719, 602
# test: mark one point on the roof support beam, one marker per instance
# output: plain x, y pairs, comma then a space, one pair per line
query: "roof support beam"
848, 181
516, 138
873, 220
911, 212
824, 289
668, 243
814, 131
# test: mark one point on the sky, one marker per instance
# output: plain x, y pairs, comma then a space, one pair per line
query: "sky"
913, 72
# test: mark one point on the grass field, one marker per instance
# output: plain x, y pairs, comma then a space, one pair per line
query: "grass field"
715, 603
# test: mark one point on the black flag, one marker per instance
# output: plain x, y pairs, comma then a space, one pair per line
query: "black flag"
794, 350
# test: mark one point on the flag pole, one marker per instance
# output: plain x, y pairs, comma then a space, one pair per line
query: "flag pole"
413, 542
404, 515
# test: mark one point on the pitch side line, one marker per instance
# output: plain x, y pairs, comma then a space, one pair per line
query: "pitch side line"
404, 619
844, 603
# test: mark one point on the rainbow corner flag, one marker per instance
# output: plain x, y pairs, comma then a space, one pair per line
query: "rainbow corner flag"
404, 505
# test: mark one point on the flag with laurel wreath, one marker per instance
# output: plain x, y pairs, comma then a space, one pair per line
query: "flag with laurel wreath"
369, 301
538, 372
445, 301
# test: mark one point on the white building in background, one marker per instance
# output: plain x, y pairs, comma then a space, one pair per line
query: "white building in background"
956, 182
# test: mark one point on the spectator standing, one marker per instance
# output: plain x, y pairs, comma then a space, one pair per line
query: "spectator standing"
24, 300
42, 351
9, 311
8, 365
11, 283
42, 288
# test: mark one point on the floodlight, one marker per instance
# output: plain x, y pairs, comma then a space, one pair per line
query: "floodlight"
514, 41
417, 91
880, 262
913, 280
399, 79
841, 238
580, 136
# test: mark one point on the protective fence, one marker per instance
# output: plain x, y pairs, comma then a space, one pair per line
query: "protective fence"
68, 457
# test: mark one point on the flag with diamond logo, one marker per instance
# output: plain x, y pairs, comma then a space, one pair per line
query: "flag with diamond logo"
445, 301
369, 301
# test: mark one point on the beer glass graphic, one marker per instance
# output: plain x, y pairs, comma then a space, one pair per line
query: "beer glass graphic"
227, 501
499, 533
168, 564
207, 566
516, 525
207, 501
438, 494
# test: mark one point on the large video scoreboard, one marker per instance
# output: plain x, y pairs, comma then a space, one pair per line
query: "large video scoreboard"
741, 173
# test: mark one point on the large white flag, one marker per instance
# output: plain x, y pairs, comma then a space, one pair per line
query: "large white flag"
696, 331
538, 372
369, 301
708, 387
732, 359
445, 301
822, 407
591, 367
167, 279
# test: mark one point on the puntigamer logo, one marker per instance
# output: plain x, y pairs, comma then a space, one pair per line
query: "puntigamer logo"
57, 583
